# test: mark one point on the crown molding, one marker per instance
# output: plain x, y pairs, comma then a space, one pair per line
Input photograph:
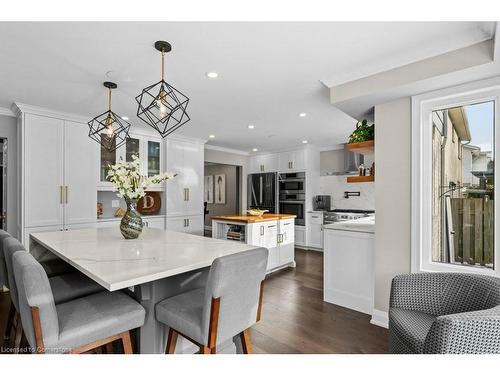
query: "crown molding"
6, 112
225, 149
19, 108
180, 137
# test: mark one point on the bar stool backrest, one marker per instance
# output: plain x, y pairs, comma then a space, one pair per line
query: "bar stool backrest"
34, 291
235, 280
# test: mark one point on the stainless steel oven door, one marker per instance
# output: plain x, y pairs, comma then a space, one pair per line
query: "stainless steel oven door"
293, 208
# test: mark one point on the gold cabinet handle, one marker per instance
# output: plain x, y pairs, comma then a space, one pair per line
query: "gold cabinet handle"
66, 194
61, 194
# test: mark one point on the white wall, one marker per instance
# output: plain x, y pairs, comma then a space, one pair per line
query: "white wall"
225, 157
8, 129
392, 196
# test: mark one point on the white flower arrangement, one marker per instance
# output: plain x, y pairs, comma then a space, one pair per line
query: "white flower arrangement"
128, 181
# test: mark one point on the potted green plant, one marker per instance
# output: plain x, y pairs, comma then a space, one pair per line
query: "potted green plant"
363, 132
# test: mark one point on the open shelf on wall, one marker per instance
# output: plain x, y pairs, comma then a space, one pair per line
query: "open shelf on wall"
352, 179
364, 148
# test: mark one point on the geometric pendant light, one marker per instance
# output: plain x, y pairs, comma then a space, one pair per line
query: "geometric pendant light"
160, 105
108, 129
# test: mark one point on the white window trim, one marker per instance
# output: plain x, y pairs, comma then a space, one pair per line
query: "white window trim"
421, 171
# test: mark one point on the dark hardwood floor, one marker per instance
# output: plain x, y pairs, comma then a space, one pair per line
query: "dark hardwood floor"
295, 319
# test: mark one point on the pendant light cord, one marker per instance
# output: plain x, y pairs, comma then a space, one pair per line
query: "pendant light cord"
109, 99
162, 64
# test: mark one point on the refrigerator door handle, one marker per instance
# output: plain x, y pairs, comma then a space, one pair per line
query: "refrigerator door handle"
260, 189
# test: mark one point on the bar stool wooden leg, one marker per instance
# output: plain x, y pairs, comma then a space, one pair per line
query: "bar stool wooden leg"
171, 341
245, 342
18, 335
10, 322
109, 348
204, 350
127, 344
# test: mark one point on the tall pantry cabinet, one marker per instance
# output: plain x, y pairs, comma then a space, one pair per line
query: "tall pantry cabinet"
56, 172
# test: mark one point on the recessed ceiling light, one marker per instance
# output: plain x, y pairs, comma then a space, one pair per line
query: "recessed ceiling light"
211, 136
304, 141
212, 75
251, 126
302, 114
255, 149
124, 118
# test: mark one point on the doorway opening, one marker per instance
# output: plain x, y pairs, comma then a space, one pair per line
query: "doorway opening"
222, 192
3, 183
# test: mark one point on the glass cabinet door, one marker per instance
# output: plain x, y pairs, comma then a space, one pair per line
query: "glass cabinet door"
131, 148
107, 159
153, 158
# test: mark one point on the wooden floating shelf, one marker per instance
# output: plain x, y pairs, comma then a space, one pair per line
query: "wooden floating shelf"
352, 179
364, 148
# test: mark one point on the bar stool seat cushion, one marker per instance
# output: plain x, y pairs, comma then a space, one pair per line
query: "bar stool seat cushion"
73, 285
183, 313
54, 267
96, 317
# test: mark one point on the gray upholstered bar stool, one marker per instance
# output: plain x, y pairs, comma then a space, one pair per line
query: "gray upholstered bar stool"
228, 306
64, 287
76, 326
52, 267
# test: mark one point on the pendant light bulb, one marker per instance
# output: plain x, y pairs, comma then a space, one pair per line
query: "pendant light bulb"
162, 104
109, 126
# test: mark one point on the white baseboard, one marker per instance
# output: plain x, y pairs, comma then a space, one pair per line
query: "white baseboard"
380, 318
351, 301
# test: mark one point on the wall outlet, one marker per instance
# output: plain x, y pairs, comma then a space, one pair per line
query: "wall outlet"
115, 203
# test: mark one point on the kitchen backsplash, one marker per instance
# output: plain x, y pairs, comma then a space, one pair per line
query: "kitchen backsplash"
335, 187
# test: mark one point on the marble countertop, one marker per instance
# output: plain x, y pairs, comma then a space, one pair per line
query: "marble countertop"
116, 263
253, 219
364, 224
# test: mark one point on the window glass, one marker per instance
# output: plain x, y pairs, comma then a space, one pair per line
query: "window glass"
463, 185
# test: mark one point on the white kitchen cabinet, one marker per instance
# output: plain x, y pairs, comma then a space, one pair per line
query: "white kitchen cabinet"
43, 171
57, 167
185, 191
300, 236
263, 163
80, 164
286, 241
154, 222
146, 147
292, 160
315, 229
349, 269
187, 224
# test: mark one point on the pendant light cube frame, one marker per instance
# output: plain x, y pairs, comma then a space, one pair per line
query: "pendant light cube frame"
175, 102
99, 128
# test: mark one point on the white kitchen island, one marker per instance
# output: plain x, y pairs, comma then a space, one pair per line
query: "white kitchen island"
275, 232
157, 265
349, 264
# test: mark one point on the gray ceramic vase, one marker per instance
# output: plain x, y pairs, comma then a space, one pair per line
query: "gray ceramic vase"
131, 224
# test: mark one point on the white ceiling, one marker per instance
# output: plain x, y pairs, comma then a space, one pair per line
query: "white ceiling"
268, 72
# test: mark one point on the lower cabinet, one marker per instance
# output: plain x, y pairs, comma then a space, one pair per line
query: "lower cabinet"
156, 222
300, 236
186, 224
315, 230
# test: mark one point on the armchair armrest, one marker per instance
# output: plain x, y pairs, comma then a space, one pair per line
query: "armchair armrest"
475, 332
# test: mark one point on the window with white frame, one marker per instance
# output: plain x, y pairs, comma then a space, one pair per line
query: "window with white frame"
454, 146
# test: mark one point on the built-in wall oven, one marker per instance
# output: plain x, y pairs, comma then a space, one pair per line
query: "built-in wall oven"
292, 195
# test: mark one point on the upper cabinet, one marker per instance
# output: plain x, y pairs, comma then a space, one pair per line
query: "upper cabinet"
147, 148
264, 163
280, 162
292, 160
185, 190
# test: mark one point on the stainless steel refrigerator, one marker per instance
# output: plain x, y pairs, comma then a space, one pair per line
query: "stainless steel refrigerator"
263, 191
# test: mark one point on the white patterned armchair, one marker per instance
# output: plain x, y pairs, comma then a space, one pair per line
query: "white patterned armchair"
444, 313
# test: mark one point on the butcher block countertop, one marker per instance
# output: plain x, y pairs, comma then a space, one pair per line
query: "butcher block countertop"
253, 219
